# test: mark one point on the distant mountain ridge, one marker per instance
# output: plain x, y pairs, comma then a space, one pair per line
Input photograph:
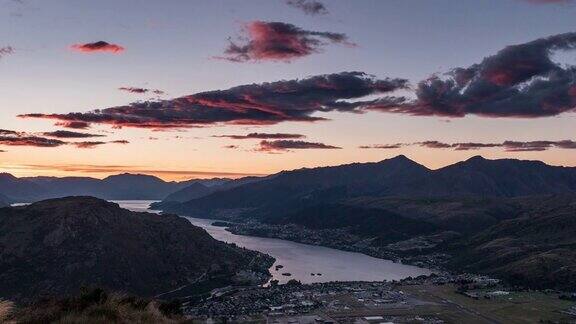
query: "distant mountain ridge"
117, 187
200, 189
395, 177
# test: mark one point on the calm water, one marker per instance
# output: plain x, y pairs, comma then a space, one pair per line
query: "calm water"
301, 260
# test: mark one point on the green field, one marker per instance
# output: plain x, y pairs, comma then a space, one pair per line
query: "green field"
517, 307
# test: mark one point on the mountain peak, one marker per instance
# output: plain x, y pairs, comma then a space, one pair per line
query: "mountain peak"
6, 175
133, 176
477, 158
402, 160
399, 158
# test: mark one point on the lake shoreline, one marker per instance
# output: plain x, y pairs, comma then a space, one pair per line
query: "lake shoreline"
302, 260
301, 235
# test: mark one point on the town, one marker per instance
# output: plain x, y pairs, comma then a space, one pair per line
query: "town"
438, 298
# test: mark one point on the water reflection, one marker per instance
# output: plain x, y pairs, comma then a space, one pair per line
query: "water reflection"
307, 263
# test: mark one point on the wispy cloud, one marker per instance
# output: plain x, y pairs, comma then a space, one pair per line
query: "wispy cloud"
288, 145
70, 134
115, 169
6, 50
509, 146
383, 146
262, 136
138, 90
50, 139
309, 7
14, 138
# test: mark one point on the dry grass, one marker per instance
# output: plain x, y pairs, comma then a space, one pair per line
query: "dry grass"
95, 306
5, 310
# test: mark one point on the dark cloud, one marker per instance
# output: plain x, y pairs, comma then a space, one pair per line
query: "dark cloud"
120, 142
6, 50
263, 136
278, 41
138, 90
383, 146
8, 132
69, 134
93, 144
87, 144
474, 146
434, 144
96, 47
310, 7
253, 104
518, 81
509, 146
133, 89
49, 139
30, 141
232, 147
514, 146
12, 138
566, 144
72, 124
287, 145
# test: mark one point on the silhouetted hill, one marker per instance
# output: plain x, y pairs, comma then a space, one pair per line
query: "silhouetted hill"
193, 191
305, 187
504, 178
137, 186
201, 188
56, 246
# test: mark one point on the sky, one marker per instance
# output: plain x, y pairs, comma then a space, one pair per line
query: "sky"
185, 89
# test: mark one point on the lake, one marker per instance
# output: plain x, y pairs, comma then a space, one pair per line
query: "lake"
303, 260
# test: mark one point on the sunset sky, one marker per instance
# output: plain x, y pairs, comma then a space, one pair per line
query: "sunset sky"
183, 89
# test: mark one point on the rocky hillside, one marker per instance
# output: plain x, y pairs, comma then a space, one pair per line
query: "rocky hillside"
536, 249
54, 247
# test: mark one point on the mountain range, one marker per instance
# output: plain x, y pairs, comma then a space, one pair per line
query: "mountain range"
395, 177
507, 218
117, 187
